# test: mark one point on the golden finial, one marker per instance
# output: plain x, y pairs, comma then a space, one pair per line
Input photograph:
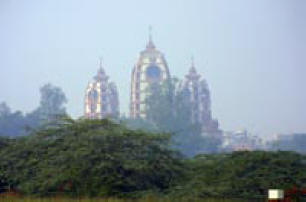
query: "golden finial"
192, 68
192, 61
150, 44
101, 62
150, 33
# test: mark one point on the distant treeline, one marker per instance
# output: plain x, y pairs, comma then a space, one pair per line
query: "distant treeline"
103, 158
167, 112
292, 142
52, 101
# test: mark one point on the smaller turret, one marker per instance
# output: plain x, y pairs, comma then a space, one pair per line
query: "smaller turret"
199, 97
101, 97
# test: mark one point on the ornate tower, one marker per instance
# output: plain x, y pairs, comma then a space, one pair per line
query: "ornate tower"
199, 97
150, 67
101, 97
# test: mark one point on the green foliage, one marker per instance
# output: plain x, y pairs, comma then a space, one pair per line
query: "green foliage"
142, 199
52, 100
100, 158
90, 157
138, 124
11, 123
243, 174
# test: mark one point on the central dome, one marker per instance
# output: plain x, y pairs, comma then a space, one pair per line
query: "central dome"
153, 73
151, 67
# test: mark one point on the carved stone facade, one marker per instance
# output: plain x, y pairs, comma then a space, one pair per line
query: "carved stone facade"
150, 67
101, 97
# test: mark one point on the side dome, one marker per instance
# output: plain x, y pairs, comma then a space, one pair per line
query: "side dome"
101, 97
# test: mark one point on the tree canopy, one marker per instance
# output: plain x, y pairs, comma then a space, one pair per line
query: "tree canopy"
90, 157
52, 104
103, 158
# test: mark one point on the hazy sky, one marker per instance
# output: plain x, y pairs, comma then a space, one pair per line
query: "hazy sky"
251, 52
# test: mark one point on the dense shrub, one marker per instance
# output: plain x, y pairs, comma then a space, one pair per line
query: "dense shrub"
102, 158
95, 158
243, 174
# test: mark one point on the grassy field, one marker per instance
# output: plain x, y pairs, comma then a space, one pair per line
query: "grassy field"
147, 199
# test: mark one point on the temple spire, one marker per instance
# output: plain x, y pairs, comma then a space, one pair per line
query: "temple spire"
100, 62
150, 44
150, 33
192, 61
101, 69
101, 73
192, 68
192, 75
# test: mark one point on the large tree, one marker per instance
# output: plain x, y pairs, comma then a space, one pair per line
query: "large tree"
4, 109
52, 105
52, 101
90, 157
11, 123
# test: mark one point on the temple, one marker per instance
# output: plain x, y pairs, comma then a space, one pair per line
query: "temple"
101, 97
200, 102
150, 67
